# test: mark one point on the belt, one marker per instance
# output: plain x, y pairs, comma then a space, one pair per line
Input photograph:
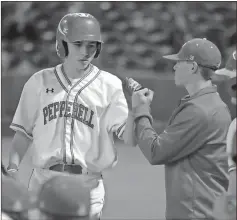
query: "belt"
74, 169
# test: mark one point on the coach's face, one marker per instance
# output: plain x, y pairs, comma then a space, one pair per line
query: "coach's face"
81, 53
183, 73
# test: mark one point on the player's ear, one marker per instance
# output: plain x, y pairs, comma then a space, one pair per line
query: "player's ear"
65, 45
194, 67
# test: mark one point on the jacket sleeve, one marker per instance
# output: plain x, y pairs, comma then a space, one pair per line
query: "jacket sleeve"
180, 139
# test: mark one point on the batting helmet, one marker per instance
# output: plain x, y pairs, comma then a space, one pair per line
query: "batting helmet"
77, 27
64, 196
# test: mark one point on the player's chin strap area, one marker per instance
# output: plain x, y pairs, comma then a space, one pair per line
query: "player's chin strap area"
73, 169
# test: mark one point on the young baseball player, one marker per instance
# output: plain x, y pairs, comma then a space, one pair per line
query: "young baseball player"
192, 147
225, 205
69, 113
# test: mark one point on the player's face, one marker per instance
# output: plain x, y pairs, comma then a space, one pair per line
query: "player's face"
81, 53
183, 72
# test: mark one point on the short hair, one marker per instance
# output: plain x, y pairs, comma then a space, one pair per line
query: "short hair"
206, 73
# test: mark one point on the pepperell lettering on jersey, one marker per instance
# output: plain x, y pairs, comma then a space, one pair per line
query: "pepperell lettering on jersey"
68, 109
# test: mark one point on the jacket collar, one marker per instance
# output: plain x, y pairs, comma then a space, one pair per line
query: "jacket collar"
204, 91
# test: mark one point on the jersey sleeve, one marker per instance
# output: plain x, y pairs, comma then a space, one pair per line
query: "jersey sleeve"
231, 145
117, 113
26, 112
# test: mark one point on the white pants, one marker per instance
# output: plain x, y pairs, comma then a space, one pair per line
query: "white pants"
95, 182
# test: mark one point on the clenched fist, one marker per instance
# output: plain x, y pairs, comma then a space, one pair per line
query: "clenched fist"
142, 97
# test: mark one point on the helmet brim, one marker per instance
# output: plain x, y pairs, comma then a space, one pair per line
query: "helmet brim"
84, 38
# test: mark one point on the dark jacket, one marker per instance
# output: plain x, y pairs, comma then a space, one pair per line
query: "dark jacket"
193, 150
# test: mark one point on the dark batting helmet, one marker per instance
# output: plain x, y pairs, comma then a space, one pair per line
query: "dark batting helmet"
76, 27
64, 196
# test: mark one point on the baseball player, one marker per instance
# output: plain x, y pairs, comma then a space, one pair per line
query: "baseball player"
63, 198
69, 113
193, 145
225, 205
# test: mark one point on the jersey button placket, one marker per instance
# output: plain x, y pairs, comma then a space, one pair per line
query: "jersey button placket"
68, 125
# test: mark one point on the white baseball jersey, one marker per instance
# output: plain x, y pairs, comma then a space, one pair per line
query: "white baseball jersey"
72, 121
231, 145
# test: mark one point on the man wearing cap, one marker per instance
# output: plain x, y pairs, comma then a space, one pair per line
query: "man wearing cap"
193, 145
225, 205
64, 198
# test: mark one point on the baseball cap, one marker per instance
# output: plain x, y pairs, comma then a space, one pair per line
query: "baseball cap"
64, 196
230, 68
202, 51
15, 196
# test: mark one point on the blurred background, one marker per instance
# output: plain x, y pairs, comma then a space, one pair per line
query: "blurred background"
136, 35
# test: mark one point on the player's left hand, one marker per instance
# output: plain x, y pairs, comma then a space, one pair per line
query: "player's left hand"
129, 87
142, 97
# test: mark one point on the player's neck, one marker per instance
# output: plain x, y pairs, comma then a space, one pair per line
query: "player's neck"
194, 88
74, 73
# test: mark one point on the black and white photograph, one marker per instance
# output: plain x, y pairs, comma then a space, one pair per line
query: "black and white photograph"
118, 110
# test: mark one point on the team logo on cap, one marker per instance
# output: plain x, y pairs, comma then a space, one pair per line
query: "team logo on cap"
234, 55
83, 15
